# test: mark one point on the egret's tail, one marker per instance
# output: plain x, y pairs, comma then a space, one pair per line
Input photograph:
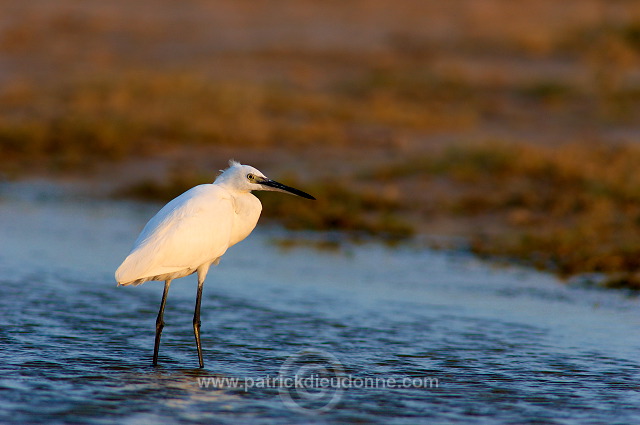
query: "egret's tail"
125, 278
133, 282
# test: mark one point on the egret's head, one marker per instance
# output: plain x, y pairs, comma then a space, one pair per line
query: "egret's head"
246, 178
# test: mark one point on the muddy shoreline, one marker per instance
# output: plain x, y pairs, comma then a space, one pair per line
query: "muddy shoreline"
513, 128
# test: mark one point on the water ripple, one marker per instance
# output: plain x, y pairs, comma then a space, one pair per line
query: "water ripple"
505, 346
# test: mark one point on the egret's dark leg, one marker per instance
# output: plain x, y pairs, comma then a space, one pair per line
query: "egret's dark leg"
196, 317
160, 321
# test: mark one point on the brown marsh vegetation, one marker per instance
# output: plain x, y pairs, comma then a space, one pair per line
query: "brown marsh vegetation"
514, 126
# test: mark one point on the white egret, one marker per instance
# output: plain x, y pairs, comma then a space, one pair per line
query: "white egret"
193, 231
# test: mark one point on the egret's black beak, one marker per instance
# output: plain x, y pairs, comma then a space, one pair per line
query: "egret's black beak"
274, 185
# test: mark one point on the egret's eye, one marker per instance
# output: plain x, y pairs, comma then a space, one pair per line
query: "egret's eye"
251, 177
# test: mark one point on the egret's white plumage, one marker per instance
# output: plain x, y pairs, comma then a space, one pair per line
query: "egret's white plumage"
194, 230
191, 231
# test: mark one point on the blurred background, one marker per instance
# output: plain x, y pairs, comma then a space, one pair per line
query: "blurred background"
509, 124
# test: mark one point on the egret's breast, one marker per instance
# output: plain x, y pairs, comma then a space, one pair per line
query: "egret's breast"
247, 212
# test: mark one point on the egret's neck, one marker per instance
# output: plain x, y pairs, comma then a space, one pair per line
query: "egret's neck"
247, 211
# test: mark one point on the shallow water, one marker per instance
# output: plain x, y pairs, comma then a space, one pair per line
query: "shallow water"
473, 344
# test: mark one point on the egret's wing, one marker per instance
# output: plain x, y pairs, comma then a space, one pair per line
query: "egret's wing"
189, 231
